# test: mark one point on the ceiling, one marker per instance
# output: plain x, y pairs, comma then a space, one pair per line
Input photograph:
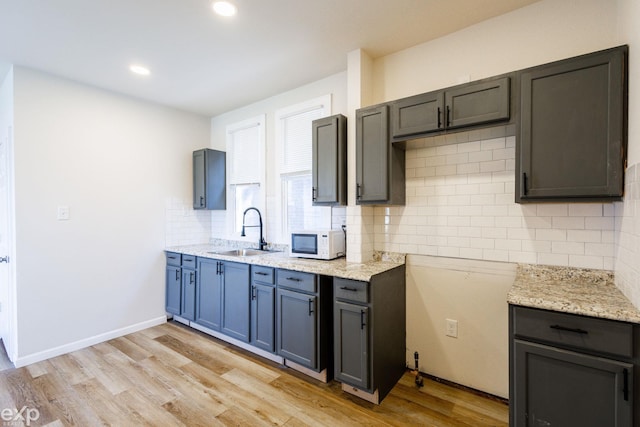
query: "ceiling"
207, 64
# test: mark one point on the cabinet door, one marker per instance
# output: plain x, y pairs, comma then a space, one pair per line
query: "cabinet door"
329, 161
477, 103
235, 300
199, 194
372, 155
209, 294
188, 309
557, 387
417, 114
174, 291
263, 317
573, 129
351, 344
297, 327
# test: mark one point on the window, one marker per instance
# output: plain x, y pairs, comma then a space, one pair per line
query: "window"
294, 136
245, 147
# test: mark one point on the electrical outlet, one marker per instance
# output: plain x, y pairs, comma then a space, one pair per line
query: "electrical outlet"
452, 328
63, 213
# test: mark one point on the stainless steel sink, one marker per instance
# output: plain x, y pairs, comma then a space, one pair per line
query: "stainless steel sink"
242, 252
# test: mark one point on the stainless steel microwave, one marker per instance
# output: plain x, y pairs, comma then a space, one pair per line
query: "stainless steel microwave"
318, 244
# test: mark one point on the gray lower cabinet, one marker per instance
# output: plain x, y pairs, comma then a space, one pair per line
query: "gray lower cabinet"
235, 300
572, 132
173, 283
222, 302
369, 332
570, 370
189, 277
263, 302
380, 166
209, 179
303, 316
329, 161
208, 299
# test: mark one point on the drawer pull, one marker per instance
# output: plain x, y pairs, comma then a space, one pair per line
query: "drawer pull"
172, 257
261, 273
293, 279
346, 288
564, 328
625, 390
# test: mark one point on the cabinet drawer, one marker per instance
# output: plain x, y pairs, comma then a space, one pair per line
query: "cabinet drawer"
351, 290
296, 280
589, 333
189, 261
174, 258
262, 274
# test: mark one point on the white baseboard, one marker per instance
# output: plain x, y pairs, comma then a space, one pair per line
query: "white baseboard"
87, 342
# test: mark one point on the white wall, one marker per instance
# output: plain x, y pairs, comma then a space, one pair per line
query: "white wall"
336, 86
627, 269
432, 224
6, 213
115, 162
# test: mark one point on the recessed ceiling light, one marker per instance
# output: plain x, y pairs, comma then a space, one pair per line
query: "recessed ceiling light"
224, 8
140, 70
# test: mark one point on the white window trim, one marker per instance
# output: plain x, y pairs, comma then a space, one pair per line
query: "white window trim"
280, 114
258, 121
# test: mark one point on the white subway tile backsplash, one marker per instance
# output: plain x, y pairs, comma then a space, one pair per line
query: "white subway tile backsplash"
460, 203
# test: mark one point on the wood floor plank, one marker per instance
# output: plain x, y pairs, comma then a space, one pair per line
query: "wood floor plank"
172, 375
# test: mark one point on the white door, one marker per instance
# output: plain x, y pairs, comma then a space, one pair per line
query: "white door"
6, 240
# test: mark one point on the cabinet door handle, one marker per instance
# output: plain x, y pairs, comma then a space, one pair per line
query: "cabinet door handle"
448, 116
313, 194
625, 390
439, 121
564, 328
201, 200
177, 274
346, 288
524, 184
191, 277
293, 279
310, 307
358, 191
362, 322
253, 292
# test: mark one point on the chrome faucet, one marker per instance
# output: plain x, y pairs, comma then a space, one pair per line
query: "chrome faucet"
261, 243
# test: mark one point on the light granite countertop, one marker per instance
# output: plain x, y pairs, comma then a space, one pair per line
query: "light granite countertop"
338, 267
571, 290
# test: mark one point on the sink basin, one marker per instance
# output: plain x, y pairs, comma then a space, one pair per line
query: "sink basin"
242, 252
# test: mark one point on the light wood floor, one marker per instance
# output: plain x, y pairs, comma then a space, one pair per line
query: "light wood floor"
170, 375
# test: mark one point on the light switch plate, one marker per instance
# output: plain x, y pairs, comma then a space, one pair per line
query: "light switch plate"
63, 213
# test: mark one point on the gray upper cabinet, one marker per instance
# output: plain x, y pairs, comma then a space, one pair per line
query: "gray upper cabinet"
572, 133
330, 161
380, 167
209, 179
470, 104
